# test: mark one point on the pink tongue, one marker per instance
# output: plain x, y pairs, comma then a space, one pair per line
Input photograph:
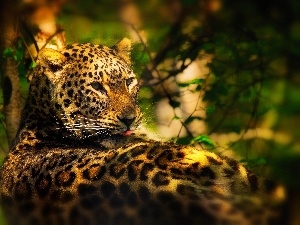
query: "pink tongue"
127, 133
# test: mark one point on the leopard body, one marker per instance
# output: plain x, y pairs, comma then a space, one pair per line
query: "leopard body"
74, 162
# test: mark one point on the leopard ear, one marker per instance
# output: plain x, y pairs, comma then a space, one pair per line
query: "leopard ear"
123, 48
52, 60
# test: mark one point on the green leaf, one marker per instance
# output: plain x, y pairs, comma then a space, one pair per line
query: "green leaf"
8, 52
184, 140
176, 118
32, 65
255, 162
18, 55
198, 81
210, 109
22, 70
183, 84
204, 139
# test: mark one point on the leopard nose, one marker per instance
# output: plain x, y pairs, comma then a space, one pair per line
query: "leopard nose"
127, 121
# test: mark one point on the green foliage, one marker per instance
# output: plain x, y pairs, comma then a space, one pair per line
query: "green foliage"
252, 82
210, 110
184, 140
139, 58
254, 162
17, 53
8, 52
205, 140
197, 81
32, 65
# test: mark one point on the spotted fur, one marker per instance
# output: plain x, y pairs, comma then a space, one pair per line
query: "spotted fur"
85, 93
73, 164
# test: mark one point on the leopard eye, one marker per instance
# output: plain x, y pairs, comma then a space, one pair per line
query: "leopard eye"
129, 81
98, 87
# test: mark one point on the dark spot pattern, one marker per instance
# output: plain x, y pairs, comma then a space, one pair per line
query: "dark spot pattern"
253, 181
86, 189
214, 161
161, 178
94, 172
228, 172
43, 185
107, 189
233, 164
133, 169
64, 179
144, 193
116, 170
161, 160
85, 58
70, 93
23, 191
123, 158
61, 196
67, 103
180, 155
124, 189
207, 172
146, 169
153, 152
165, 196
138, 151
186, 190
176, 171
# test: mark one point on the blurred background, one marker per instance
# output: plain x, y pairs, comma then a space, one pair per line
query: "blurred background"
218, 74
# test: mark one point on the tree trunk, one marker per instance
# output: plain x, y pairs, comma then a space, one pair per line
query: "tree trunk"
35, 23
9, 69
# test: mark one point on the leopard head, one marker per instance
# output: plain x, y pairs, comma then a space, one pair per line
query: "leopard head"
89, 90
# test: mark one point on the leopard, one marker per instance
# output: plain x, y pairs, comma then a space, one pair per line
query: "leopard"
78, 158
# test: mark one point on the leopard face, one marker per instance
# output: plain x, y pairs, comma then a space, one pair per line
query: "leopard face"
89, 90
